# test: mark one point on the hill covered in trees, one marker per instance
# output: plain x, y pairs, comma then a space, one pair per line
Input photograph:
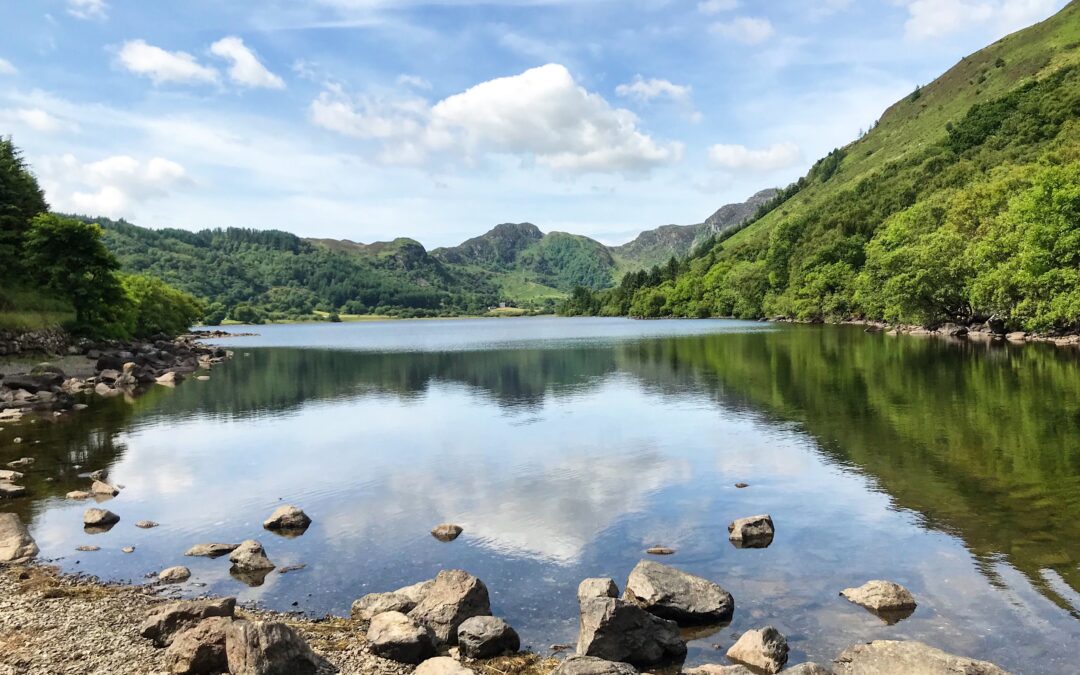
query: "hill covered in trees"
962, 202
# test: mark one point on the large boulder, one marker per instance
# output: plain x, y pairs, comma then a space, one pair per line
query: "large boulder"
15, 542
417, 591
882, 597
597, 587
442, 665
164, 622
199, 650
765, 649
615, 630
395, 636
373, 604
676, 595
288, 518
268, 648
250, 556
897, 657
484, 637
455, 596
590, 665
752, 532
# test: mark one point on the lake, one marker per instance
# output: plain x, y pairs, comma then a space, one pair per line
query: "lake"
566, 447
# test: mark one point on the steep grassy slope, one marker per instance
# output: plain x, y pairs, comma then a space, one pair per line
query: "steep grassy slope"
962, 202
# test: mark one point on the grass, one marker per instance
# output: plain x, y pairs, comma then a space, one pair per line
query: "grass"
24, 309
47, 582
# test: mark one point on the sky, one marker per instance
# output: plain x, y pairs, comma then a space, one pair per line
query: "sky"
438, 119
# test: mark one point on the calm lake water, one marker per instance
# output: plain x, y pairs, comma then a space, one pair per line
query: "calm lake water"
565, 447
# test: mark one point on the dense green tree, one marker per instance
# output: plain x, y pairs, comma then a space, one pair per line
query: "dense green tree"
157, 307
21, 198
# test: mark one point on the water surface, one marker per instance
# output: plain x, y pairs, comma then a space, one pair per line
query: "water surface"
565, 447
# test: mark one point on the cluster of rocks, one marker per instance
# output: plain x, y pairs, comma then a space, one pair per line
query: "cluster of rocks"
206, 636
992, 329
46, 341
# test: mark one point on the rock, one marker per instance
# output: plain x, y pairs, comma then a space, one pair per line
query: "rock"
287, 518
752, 532
78, 494
590, 665
374, 604
99, 488
442, 665
808, 669
446, 532
899, 657
764, 648
145, 524
21, 462
100, 474
11, 491
712, 669
597, 588
15, 542
660, 550
109, 375
455, 596
953, 330
484, 637
742, 485
250, 556
202, 378
251, 578
291, 568
87, 549
1018, 336
170, 379
884, 598
673, 594
48, 370
995, 325
163, 623
128, 549
174, 575
394, 636
267, 648
615, 630
200, 649
100, 518
211, 550
9, 476
417, 591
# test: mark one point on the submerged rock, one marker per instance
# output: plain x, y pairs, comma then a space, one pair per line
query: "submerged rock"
78, 495
660, 550
897, 657
455, 596
590, 665
765, 648
268, 648
249, 556
446, 532
484, 637
211, 550
288, 518
597, 587
676, 595
164, 622
15, 542
615, 630
394, 636
752, 532
881, 596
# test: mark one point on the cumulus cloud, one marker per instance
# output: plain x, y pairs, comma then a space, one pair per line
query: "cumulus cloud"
717, 6
88, 9
745, 29
6, 68
110, 187
929, 19
647, 90
164, 66
742, 158
542, 115
246, 69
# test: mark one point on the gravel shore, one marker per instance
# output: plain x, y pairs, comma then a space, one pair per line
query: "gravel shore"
65, 625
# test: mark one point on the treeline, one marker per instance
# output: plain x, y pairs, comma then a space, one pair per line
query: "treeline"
47, 260
984, 221
254, 276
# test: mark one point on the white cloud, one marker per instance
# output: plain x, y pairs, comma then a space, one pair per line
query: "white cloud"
542, 115
414, 81
717, 6
164, 66
929, 19
745, 29
647, 90
109, 187
246, 69
88, 9
742, 158
39, 120
6, 68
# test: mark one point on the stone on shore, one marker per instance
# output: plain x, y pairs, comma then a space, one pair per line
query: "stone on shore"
250, 556
200, 649
394, 636
615, 630
808, 669
163, 623
174, 575
590, 665
752, 532
597, 587
287, 518
100, 518
170, 379
78, 495
901, 657
442, 665
15, 541
484, 637
11, 491
673, 594
9, 476
713, 669
373, 604
100, 488
446, 532
765, 649
455, 596
268, 648
211, 550
881, 596
417, 591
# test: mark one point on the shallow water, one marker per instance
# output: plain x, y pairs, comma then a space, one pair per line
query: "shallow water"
565, 447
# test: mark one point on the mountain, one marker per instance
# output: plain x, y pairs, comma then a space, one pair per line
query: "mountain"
962, 202
655, 247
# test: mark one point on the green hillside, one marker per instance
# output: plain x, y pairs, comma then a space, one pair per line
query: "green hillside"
961, 203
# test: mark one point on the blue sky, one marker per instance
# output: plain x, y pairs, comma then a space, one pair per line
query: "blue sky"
437, 119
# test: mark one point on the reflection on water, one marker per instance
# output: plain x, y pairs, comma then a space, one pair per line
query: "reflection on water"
567, 447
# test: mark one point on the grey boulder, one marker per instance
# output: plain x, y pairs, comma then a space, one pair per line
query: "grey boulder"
373, 604
15, 541
902, 657
676, 595
881, 597
199, 650
250, 557
100, 518
211, 550
752, 532
454, 597
597, 587
288, 518
590, 665
394, 636
174, 575
765, 649
268, 648
615, 630
484, 637
163, 623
